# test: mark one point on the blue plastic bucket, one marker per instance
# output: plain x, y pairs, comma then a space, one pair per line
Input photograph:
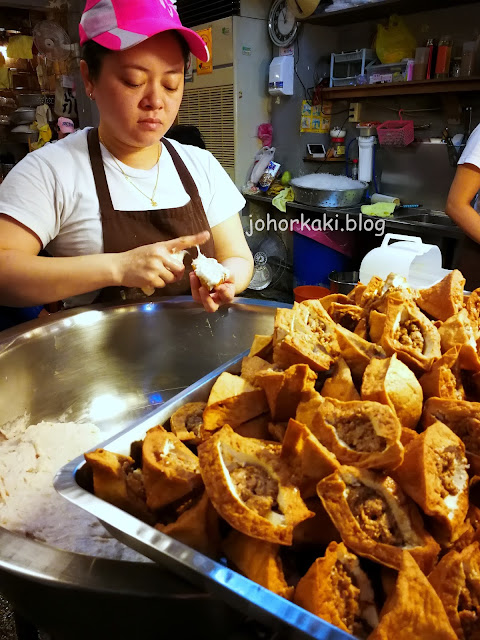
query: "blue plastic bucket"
313, 261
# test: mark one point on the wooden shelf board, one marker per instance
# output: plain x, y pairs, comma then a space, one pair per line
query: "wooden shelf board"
308, 159
448, 85
378, 10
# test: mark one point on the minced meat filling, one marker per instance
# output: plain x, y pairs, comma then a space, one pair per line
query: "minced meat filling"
467, 428
469, 611
256, 488
445, 464
358, 433
409, 334
374, 515
349, 594
320, 329
194, 422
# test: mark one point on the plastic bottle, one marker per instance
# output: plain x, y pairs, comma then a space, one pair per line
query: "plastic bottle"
444, 54
355, 169
432, 58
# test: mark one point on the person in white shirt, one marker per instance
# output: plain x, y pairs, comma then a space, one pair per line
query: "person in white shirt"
113, 205
463, 206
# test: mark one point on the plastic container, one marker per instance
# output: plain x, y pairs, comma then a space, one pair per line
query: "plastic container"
396, 133
467, 65
444, 54
420, 264
313, 262
421, 63
310, 292
346, 68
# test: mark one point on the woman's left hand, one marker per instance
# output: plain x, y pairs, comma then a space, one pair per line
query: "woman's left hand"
212, 300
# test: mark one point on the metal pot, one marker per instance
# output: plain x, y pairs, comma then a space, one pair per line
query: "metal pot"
29, 99
23, 115
142, 354
343, 281
327, 197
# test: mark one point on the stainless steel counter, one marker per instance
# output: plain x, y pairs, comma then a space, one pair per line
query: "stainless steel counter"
113, 366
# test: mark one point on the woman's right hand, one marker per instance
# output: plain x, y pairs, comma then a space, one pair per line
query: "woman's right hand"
154, 265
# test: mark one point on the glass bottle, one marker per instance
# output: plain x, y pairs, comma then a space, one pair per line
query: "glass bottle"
444, 54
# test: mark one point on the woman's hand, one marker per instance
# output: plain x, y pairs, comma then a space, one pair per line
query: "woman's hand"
212, 300
154, 265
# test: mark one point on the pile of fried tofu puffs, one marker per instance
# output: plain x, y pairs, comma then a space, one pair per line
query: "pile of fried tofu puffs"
338, 469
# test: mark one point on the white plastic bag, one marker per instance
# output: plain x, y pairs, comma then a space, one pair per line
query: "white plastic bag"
262, 160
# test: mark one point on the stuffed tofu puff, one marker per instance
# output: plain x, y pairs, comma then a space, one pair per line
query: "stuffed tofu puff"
336, 589
250, 486
348, 447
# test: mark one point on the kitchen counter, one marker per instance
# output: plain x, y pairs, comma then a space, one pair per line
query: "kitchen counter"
402, 221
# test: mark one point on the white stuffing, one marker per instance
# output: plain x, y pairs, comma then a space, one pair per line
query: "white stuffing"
326, 181
29, 459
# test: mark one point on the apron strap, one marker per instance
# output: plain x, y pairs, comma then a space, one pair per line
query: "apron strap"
103, 192
185, 175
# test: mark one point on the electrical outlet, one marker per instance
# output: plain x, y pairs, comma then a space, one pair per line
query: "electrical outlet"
354, 112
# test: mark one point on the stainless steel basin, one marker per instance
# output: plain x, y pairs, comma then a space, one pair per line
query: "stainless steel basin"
113, 365
427, 217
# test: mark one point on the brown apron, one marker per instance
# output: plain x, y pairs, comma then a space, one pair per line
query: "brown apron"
125, 230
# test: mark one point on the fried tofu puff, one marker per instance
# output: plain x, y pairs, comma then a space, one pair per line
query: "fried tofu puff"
186, 423
434, 474
336, 589
456, 579
410, 334
463, 418
390, 382
258, 560
170, 470
413, 611
445, 298
115, 480
250, 486
375, 519
364, 434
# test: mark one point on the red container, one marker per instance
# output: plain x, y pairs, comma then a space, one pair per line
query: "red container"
310, 292
396, 133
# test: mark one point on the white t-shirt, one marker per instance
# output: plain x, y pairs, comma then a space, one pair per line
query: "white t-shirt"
52, 192
471, 155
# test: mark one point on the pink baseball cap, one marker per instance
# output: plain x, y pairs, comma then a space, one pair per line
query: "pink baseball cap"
120, 24
65, 125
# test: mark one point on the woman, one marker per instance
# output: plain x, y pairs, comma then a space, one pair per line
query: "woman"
114, 204
463, 192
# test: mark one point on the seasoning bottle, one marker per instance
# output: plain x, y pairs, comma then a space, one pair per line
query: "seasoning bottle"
355, 169
444, 54
431, 61
468, 58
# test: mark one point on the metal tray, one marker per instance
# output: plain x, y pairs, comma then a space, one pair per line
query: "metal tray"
238, 591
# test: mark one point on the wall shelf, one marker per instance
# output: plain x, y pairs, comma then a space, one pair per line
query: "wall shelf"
378, 10
328, 161
449, 85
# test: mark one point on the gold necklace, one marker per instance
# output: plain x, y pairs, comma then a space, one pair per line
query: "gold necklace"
128, 179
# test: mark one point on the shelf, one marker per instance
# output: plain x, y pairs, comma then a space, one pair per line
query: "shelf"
308, 159
378, 10
449, 85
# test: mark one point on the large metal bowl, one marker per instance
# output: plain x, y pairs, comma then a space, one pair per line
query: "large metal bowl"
327, 197
142, 355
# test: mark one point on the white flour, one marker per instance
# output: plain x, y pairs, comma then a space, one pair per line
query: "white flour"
29, 460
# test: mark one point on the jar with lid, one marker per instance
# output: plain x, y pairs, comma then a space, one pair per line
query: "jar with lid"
338, 143
444, 55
